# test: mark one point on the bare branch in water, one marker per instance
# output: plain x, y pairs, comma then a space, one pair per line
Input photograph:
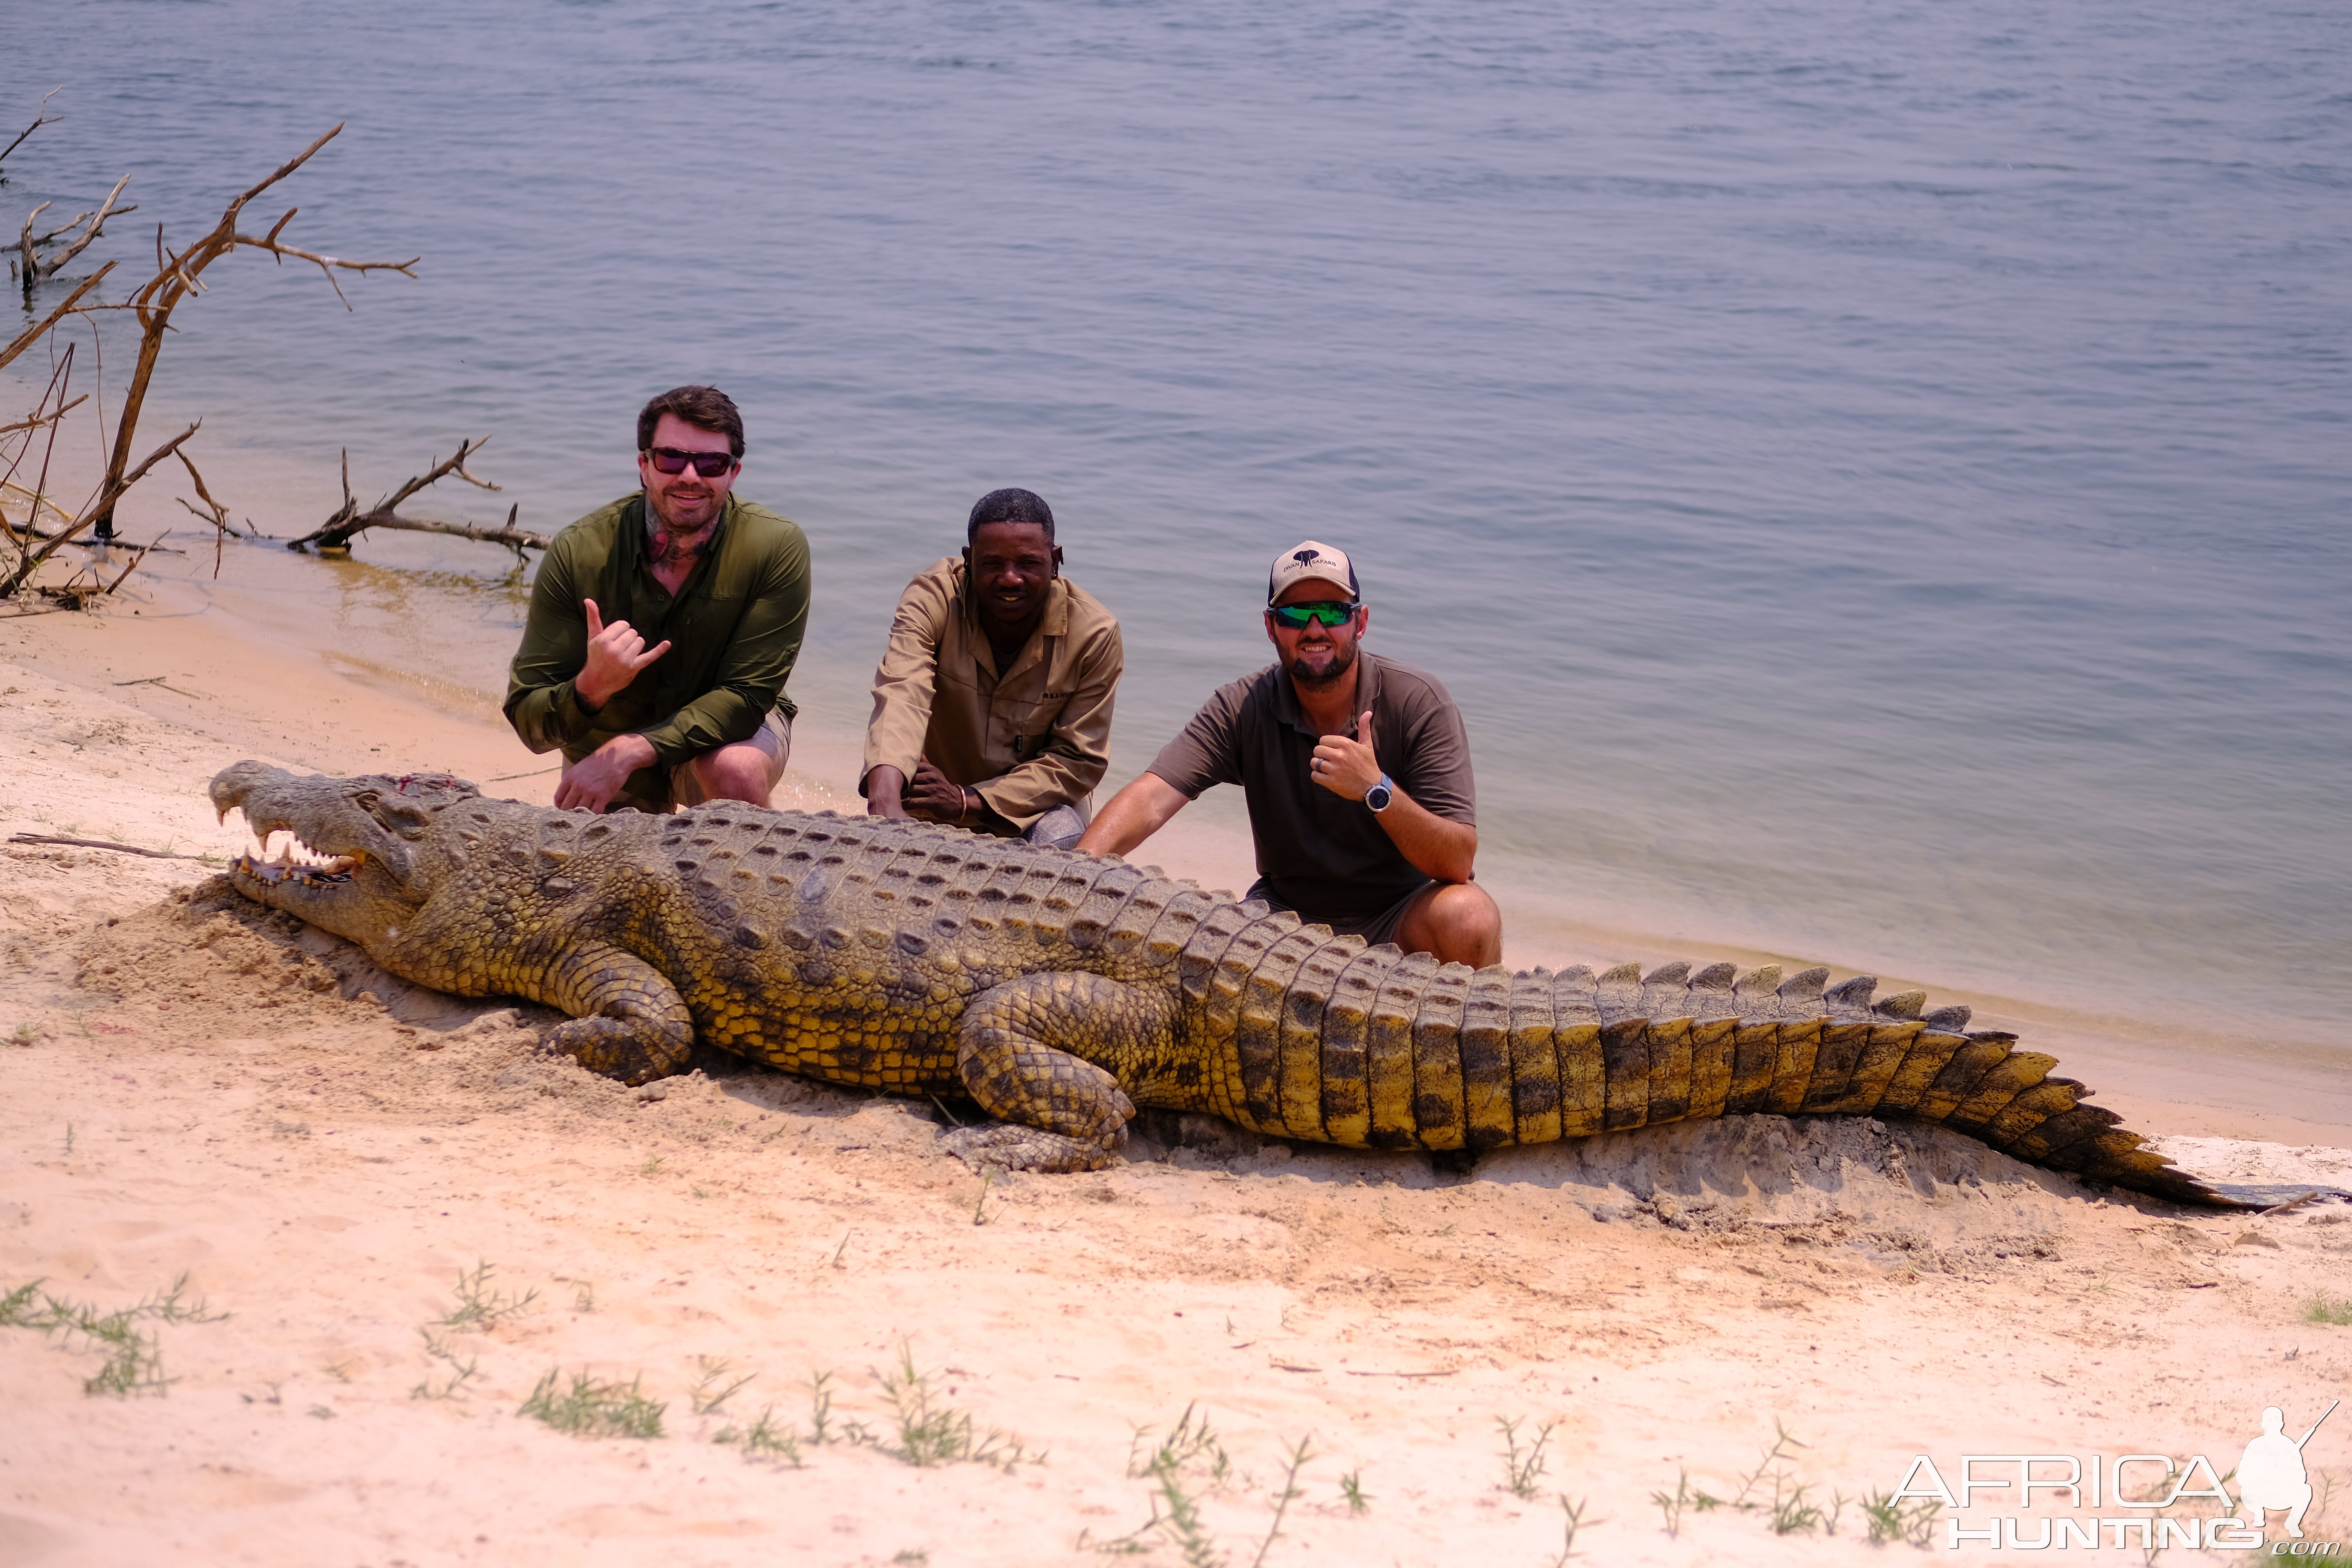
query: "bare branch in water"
41, 117
337, 532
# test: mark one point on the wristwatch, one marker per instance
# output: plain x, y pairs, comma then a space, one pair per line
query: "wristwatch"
1381, 794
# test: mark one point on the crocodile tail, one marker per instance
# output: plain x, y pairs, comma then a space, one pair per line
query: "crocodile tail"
1373, 1048
1676, 1044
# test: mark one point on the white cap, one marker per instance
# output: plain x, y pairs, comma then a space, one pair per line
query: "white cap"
1310, 561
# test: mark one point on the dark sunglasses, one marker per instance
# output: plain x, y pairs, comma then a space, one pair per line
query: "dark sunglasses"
1330, 612
670, 460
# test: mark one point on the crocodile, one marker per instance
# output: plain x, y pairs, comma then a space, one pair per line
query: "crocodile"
1062, 990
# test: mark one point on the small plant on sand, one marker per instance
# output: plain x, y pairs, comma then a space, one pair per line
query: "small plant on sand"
460, 1373
26, 1034
651, 1167
820, 1408
134, 1356
1185, 1461
1296, 1462
2323, 1308
708, 1395
1574, 1523
1775, 1456
595, 1407
1523, 1463
478, 1305
1352, 1487
930, 1432
764, 1440
1894, 1519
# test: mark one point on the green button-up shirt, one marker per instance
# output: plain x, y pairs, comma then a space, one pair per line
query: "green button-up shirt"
734, 627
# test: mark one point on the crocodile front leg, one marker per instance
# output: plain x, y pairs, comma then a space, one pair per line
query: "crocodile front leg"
1046, 1053
627, 1022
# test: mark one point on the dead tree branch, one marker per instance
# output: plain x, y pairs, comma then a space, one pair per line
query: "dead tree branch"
40, 268
32, 335
30, 561
41, 117
179, 273
337, 532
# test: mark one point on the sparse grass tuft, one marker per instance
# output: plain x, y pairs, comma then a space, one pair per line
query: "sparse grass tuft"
763, 1439
1522, 1467
1352, 1487
135, 1357
651, 1167
707, 1397
478, 1305
594, 1407
1575, 1521
1284, 1498
26, 1034
2323, 1308
461, 1372
1791, 1514
820, 1408
1901, 1518
933, 1433
1191, 1439
1770, 1464
1671, 1504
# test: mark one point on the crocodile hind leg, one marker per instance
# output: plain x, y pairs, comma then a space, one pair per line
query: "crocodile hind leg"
1045, 1053
628, 1021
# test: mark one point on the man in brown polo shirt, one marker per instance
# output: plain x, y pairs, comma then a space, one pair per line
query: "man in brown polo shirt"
992, 708
1356, 768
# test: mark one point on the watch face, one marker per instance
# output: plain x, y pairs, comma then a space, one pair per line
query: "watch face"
1379, 795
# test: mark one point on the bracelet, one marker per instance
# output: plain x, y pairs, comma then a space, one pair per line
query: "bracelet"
963, 809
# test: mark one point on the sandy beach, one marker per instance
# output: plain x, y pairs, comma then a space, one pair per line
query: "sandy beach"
397, 1220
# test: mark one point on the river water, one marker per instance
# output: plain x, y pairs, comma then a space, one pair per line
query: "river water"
1874, 476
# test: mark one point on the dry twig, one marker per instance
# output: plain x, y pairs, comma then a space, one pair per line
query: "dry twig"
41, 117
337, 532
39, 268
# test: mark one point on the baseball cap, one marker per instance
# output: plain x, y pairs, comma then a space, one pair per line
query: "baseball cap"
1310, 560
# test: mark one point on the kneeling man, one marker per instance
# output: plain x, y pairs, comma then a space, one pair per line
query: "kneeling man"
1357, 770
701, 714
992, 708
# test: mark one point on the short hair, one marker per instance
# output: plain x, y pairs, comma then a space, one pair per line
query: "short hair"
704, 407
1009, 505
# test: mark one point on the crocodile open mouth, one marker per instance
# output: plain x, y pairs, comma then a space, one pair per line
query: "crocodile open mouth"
298, 862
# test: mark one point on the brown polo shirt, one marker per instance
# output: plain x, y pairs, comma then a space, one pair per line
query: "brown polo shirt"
1327, 857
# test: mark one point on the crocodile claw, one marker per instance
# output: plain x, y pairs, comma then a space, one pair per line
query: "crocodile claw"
1008, 1146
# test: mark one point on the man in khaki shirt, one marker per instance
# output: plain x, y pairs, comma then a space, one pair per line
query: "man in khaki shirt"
992, 706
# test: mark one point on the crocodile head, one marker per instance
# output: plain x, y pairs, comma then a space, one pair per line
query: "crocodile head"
370, 854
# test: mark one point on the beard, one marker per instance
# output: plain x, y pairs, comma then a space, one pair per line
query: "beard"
1321, 671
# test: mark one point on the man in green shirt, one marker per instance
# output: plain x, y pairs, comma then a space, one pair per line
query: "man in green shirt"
663, 628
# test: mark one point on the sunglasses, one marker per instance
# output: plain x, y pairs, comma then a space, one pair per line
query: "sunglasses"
1328, 612
670, 460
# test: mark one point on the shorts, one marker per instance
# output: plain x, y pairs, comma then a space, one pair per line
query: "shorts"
773, 738
1375, 928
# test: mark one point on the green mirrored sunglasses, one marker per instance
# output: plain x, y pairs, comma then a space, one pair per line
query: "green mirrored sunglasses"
1330, 612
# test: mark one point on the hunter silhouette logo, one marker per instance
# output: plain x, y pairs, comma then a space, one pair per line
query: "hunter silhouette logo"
2270, 1476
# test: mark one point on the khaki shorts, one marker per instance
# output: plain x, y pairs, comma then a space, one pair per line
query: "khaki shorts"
772, 740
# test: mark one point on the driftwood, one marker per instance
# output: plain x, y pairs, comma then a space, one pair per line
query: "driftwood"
35, 267
337, 532
41, 117
104, 844
178, 274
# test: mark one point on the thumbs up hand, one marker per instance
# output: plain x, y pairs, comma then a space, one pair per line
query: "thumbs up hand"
1345, 767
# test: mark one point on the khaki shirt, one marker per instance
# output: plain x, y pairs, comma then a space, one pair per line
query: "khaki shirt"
735, 626
1327, 857
1029, 739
